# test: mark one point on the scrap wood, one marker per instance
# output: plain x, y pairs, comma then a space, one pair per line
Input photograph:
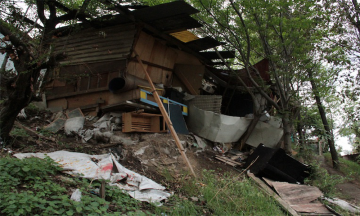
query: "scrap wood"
165, 115
302, 198
286, 206
228, 161
33, 132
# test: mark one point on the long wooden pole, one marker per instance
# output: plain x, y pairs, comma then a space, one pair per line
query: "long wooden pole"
165, 115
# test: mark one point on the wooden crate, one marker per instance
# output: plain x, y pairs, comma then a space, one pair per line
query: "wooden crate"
143, 122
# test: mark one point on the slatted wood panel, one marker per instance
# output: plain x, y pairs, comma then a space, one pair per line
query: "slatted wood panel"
142, 122
96, 45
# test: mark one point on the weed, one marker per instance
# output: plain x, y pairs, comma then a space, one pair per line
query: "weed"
18, 132
349, 168
320, 178
29, 187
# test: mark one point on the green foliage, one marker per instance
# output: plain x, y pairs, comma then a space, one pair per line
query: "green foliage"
30, 186
219, 194
320, 178
18, 132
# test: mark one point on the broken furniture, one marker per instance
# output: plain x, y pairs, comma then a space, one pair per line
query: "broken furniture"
277, 165
142, 122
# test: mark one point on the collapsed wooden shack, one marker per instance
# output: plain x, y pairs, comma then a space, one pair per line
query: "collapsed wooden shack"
99, 71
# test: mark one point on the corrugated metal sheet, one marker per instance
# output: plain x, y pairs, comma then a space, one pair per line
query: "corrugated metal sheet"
164, 10
96, 45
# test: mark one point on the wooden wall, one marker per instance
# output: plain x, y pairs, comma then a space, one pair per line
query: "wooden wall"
96, 45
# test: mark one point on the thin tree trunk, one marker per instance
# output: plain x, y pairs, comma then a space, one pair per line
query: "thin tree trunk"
287, 133
299, 128
329, 134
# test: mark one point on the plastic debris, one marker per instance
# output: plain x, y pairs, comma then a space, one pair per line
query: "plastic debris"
76, 196
74, 125
108, 168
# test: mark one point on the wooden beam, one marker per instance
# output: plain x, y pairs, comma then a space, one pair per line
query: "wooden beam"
186, 82
165, 115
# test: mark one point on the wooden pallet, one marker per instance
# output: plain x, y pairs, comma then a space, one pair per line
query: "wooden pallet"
142, 122
228, 161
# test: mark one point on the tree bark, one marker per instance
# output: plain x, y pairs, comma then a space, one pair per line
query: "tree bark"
287, 132
19, 96
329, 134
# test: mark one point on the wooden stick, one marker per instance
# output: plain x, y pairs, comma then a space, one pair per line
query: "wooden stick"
165, 115
33, 132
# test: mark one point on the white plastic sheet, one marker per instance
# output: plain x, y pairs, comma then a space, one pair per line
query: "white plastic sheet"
106, 167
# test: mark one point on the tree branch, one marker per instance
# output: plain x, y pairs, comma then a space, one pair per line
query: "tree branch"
40, 10
29, 21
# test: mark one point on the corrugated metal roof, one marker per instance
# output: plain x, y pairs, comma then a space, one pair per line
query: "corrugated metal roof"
164, 10
203, 44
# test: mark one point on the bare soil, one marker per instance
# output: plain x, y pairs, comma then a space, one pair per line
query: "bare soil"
349, 190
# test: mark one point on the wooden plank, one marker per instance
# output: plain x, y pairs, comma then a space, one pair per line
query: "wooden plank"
317, 208
96, 40
166, 117
96, 59
107, 45
297, 194
225, 159
286, 206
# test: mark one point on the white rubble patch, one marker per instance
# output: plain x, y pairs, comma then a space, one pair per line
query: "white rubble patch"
101, 167
344, 205
141, 150
76, 196
74, 125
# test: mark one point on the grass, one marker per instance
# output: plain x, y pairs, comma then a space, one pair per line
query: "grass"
218, 194
349, 168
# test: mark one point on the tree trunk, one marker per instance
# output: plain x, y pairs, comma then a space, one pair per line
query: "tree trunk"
299, 128
287, 132
19, 96
329, 134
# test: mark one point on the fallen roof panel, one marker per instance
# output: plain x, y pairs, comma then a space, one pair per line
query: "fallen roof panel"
164, 10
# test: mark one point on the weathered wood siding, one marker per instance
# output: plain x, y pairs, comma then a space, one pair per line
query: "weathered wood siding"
96, 45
